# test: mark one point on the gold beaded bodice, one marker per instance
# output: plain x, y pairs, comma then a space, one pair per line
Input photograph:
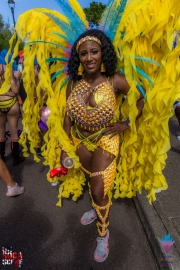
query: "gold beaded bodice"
98, 116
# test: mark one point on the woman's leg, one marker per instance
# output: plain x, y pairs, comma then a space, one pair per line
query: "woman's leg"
99, 164
2, 135
13, 118
103, 168
86, 159
12, 188
5, 175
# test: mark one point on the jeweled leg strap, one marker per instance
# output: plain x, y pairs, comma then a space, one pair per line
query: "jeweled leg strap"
108, 176
103, 226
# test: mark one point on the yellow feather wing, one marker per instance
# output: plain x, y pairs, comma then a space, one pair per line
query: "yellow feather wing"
79, 11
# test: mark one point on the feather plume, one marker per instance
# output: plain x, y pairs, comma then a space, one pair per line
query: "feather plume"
48, 60
107, 15
141, 90
72, 17
58, 73
79, 11
64, 82
65, 27
51, 43
147, 60
116, 19
60, 35
137, 84
142, 73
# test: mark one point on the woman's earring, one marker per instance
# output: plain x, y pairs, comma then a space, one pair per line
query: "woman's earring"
80, 70
103, 68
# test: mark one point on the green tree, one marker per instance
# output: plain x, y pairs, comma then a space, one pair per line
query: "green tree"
5, 35
94, 12
1, 22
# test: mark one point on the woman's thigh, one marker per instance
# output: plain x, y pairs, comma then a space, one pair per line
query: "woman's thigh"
13, 118
85, 157
100, 162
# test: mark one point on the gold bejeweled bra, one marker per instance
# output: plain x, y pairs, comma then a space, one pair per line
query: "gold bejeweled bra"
98, 116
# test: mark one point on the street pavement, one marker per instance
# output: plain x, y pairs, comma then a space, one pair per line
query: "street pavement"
52, 238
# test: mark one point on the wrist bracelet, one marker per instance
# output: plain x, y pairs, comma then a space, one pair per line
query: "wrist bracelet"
127, 122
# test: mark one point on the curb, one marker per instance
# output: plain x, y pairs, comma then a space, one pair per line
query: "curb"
155, 229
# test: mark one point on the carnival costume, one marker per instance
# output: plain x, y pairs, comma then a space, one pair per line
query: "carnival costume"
142, 32
5, 107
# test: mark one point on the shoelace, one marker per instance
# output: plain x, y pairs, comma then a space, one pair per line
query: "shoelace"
101, 241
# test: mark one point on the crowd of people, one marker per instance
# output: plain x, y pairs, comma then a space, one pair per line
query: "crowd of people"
93, 120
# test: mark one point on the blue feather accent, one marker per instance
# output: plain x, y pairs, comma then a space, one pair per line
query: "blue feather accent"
2, 61
122, 71
141, 90
75, 21
138, 85
58, 73
51, 43
116, 19
122, 35
57, 59
65, 27
64, 82
60, 35
107, 16
147, 60
142, 73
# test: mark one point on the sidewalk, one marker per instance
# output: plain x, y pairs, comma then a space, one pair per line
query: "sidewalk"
163, 216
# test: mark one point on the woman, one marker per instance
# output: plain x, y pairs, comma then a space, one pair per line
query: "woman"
9, 111
91, 104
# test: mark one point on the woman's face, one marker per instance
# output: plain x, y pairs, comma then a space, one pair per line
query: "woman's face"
90, 56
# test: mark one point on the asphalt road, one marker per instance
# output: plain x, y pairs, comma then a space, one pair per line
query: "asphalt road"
52, 238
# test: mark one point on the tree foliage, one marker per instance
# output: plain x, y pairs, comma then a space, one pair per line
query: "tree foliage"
94, 12
5, 35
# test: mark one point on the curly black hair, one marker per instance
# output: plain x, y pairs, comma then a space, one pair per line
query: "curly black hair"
109, 57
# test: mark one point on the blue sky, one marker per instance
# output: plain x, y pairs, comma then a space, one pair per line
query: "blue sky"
23, 5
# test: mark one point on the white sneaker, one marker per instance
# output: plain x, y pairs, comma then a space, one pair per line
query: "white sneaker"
102, 249
88, 217
54, 184
178, 138
14, 191
158, 190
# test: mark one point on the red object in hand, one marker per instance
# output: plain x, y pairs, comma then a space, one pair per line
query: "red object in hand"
58, 172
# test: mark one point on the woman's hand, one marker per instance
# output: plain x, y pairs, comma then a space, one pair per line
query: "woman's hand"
63, 156
115, 128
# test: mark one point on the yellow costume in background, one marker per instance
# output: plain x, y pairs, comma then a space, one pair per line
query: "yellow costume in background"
143, 40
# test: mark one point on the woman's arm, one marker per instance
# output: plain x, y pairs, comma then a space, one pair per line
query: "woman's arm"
121, 86
177, 113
